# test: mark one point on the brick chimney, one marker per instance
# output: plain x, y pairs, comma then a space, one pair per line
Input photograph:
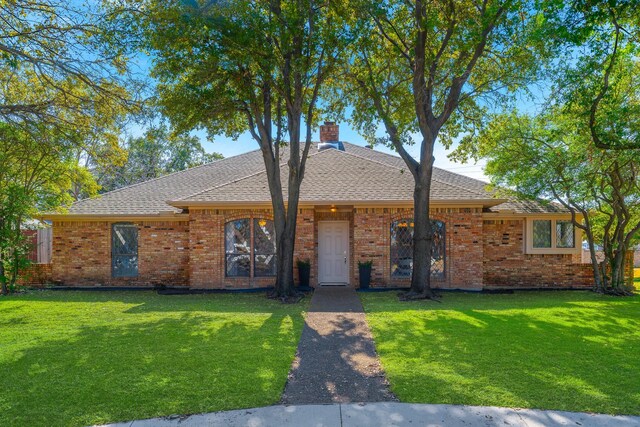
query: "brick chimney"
329, 132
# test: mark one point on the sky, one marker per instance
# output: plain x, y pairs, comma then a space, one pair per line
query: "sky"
228, 147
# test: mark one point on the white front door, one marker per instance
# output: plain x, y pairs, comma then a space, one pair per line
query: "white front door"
333, 252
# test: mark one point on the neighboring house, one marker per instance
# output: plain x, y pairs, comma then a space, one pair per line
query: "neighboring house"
211, 227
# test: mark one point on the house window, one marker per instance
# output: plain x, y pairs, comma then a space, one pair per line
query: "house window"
124, 250
402, 248
542, 233
244, 237
551, 236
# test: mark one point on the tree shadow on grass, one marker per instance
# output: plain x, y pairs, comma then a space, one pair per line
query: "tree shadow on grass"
141, 368
555, 355
335, 364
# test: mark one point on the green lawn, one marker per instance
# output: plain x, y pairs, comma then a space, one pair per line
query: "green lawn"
575, 351
78, 358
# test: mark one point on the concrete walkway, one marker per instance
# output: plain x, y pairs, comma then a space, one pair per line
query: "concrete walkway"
336, 361
388, 414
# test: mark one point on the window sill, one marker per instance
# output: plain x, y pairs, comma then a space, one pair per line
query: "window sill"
552, 251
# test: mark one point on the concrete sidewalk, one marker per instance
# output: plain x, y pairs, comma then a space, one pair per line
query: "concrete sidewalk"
387, 414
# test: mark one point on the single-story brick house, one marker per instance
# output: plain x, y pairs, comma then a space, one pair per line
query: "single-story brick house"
210, 227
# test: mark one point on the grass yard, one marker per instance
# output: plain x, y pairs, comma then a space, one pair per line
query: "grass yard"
575, 351
78, 358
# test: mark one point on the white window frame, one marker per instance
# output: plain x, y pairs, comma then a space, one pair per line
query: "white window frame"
529, 249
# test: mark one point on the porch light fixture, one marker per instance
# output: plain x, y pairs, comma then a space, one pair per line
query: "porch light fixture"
262, 223
333, 209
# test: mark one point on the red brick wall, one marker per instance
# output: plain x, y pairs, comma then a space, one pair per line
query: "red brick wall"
206, 237
506, 264
36, 275
478, 253
82, 254
305, 246
463, 236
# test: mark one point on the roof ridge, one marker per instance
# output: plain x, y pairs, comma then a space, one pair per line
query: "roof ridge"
310, 154
170, 174
400, 158
365, 158
264, 171
432, 178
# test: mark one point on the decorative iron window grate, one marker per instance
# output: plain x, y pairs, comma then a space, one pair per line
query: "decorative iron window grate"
402, 248
124, 250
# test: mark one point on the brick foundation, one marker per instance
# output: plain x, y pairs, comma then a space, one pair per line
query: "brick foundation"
463, 232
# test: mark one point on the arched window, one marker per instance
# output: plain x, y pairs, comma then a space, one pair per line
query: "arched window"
402, 248
250, 241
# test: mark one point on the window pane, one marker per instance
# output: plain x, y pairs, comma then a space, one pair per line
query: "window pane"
565, 236
437, 249
402, 248
125, 239
264, 237
542, 233
238, 265
238, 247
125, 266
124, 250
264, 247
237, 234
264, 265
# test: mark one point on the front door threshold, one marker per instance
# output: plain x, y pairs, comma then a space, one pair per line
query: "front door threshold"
334, 284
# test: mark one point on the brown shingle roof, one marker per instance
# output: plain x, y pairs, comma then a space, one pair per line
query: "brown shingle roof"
529, 207
357, 174
336, 176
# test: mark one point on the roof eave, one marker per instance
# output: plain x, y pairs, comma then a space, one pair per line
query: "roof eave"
185, 204
516, 214
163, 216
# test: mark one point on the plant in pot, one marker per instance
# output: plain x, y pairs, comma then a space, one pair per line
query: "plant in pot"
304, 271
364, 270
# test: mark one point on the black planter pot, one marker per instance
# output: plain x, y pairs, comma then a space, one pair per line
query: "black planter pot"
365, 276
304, 272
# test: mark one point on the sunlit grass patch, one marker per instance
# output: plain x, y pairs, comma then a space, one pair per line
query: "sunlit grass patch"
79, 358
575, 351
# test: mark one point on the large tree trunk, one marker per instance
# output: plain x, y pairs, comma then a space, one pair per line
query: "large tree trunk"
422, 230
422, 243
285, 247
286, 218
